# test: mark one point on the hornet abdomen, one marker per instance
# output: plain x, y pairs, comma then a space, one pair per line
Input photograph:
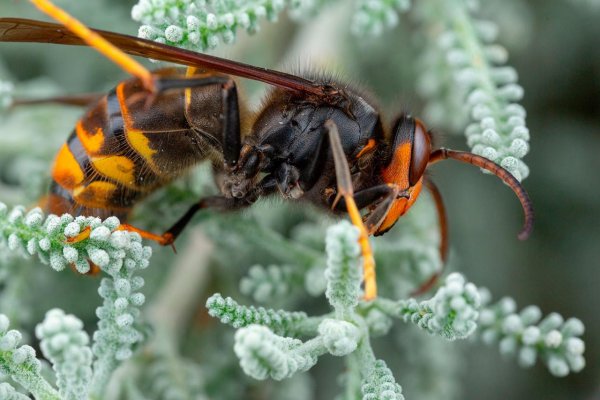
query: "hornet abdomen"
129, 144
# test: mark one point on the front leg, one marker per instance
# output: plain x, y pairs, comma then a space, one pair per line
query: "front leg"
292, 181
380, 199
346, 191
287, 178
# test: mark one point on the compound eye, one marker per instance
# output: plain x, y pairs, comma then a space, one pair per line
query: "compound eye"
421, 149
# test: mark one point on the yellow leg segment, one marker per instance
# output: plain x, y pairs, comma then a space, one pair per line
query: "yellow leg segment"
84, 234
344, 184
367, 253
98, 42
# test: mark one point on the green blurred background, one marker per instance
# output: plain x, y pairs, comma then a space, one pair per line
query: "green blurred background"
555, 47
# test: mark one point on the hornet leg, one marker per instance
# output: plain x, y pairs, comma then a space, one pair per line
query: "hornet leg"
169, 237
96, 41
381, 197
231, 148
267, 185
443, 226
345, 190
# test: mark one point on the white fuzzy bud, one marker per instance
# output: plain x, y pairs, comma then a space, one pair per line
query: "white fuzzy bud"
340, 337
174, 34
72, 229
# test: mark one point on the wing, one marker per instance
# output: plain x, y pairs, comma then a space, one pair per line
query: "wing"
26, 30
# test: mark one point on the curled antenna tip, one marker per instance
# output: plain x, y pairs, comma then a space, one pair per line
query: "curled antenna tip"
527, 227
500, 172
529, 216
523, 235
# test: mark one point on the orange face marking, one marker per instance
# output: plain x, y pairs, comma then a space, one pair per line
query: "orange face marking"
118, 168
94, 195
397, 170
368, 147
92, 142
67, 172
400, 207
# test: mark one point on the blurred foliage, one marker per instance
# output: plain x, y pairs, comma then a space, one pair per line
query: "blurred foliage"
555, 48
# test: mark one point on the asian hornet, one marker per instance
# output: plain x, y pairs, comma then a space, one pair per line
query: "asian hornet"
314, 139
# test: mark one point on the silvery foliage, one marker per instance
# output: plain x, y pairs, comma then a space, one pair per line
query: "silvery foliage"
79, 242
268, 344
525, 334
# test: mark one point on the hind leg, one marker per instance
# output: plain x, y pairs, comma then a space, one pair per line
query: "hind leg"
96, 41
169, 237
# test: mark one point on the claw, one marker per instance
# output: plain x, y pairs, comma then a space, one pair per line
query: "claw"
167, 239
337, 199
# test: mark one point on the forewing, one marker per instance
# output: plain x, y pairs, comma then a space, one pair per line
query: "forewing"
26, 30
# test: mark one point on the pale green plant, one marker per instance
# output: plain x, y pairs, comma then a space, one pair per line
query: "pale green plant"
374, 16
468, 88
8, 392
465, 79
268, 346
6, 91
21, 364
266, 341
527, 336
117, 253
167, 377
267, 284
203, 24
66, 345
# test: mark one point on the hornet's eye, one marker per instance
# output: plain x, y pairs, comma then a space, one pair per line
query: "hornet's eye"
421, 149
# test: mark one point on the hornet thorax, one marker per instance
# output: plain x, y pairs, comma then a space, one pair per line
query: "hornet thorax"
287, 150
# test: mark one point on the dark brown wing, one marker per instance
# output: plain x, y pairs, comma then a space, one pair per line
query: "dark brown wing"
26, 30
